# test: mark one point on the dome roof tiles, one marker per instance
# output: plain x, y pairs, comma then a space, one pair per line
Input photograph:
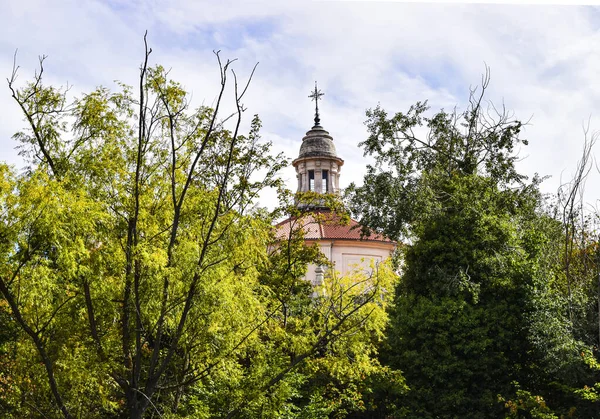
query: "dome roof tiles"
326, 226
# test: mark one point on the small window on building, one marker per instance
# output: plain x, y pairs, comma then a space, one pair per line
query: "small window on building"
311, 180
325, 182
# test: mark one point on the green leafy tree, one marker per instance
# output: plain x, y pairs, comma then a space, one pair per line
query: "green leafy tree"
459, 329
138, 277
396, 193
322, 342
476, 276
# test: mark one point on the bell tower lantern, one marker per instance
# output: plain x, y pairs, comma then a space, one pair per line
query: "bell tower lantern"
318, 166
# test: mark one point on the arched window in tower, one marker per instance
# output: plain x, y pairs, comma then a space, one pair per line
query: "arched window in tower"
311, 180
325, 182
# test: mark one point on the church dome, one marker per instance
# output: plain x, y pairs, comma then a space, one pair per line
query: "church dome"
317, 143
347, 245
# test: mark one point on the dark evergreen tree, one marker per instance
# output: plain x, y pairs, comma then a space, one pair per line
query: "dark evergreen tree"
477, 325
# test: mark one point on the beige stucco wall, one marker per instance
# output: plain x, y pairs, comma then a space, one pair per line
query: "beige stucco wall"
346, 255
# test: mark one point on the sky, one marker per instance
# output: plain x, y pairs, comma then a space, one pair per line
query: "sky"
544, 62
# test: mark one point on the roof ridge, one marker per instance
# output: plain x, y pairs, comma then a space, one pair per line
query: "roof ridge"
328, 230
321, 229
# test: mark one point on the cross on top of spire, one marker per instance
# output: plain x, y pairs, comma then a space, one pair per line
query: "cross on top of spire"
316, 95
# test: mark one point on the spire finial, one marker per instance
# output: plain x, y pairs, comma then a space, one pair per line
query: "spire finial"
316, 95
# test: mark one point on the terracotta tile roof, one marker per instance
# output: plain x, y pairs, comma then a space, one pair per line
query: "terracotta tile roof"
324, 225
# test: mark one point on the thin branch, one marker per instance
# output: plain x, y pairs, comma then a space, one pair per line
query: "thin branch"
28, 115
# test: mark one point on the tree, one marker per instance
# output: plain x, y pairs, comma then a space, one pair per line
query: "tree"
135, 272
397, 191
462, 328
459, 327
140, 216
322, 341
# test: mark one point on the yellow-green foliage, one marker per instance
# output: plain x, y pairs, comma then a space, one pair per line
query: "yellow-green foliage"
139, 278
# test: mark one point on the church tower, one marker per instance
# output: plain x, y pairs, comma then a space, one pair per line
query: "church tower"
318, 166
342, 243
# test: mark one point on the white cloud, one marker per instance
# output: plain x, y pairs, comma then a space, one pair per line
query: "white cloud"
543, 59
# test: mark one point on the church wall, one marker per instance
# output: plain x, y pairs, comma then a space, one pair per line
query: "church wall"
347, 255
